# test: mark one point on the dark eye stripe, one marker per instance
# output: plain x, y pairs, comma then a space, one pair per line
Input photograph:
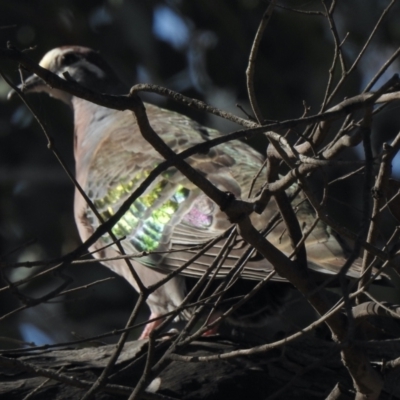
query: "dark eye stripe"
70, 58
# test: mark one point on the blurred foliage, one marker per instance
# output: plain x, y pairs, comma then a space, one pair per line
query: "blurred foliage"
199, 48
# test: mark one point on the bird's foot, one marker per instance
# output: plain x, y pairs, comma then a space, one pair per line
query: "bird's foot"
215, 328
151, 326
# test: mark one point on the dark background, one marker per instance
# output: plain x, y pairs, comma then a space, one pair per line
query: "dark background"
199, 48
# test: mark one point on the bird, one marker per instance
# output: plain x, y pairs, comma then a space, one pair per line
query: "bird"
172, 216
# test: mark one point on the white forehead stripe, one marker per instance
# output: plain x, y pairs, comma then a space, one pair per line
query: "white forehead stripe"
53, 62
50, 57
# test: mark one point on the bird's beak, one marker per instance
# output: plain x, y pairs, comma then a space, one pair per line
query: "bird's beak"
31, 85
34, 84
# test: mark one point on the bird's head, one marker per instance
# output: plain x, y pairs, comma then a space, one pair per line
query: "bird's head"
80, 64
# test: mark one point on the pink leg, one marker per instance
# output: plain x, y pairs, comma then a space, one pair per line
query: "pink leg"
150, 326
214, 330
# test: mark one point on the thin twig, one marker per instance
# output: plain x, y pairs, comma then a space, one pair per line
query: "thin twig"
252, 61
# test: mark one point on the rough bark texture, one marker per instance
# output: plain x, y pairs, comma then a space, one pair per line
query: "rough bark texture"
309, 368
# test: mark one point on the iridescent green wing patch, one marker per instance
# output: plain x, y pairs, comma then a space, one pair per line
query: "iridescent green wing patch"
145, 222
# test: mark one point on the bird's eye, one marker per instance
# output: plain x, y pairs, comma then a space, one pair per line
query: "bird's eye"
69, 58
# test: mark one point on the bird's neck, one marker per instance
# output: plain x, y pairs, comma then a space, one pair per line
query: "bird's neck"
93, 124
